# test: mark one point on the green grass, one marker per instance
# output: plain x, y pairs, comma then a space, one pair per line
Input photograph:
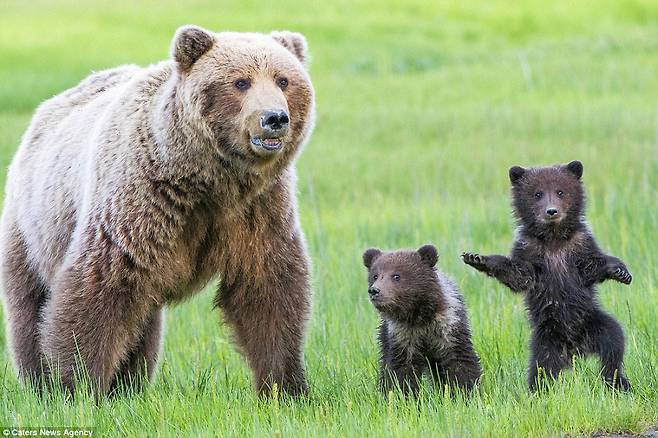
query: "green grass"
422, 108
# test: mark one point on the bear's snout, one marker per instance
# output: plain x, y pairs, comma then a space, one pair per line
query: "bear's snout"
275, 121
271, 129
268, 118
373, 292
552, 214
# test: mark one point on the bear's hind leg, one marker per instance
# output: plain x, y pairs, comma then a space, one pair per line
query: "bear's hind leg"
458, 367
97, 308
606, 338
24, 297
547, 355
406, 374
139, 367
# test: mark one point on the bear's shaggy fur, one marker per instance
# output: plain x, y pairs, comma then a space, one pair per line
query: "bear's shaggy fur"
135, 188
556, 262
424, 326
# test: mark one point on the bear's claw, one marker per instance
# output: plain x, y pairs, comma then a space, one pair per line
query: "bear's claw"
622, 275
475, 260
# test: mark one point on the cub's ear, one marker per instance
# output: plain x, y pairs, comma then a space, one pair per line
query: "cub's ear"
575, 167
429, 254
515, 173
189, 43
370, 256
293, 41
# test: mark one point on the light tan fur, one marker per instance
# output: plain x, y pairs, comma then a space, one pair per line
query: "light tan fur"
135, 188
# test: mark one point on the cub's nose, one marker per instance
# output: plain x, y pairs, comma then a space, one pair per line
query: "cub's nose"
274, 120
373, 292
551, 211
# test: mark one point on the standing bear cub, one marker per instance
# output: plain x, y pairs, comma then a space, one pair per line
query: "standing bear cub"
135, 188
556, 263
424, 326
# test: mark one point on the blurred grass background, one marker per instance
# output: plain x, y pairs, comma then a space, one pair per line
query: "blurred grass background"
422, 107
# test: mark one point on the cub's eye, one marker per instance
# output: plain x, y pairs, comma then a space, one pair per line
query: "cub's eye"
375, 277
396, 277
560, 193
282, 83
538, 195
242, 84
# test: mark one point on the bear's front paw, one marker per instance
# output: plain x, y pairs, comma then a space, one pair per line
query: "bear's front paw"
620, 273
475, 260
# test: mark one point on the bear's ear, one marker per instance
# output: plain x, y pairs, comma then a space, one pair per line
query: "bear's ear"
294, 42
429, 254
189, 43
575, 167
370, 256
515, 173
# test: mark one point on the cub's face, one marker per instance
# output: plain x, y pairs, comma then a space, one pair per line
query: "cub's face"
400, 282
547, 197
250, 92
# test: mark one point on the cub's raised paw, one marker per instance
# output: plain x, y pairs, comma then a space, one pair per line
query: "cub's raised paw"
621, 274
475, 260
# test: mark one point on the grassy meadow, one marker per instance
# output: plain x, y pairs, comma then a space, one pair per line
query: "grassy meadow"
421, 109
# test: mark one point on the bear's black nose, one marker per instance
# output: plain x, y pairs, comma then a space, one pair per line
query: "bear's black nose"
551, 211
274, 120
373, 291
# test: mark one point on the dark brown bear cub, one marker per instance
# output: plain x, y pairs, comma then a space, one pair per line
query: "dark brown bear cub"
556, 262
424, 327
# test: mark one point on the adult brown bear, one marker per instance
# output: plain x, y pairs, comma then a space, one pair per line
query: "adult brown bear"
135, 188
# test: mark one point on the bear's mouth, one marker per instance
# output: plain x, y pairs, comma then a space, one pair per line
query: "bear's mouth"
553, 220
269, 144
378, 301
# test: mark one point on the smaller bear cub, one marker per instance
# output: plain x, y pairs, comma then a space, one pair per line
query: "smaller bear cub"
424, 327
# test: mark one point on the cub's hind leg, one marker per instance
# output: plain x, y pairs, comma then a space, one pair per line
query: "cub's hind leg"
24, 296
549, 357
458, 367
462, 371
606, 338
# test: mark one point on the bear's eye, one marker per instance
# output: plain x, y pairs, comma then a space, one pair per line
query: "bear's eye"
242, 84
375, 277
282, 83
560, 193
538, 195
396, 277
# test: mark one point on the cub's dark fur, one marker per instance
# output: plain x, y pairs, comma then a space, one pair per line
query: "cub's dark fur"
424, 326
557, 263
